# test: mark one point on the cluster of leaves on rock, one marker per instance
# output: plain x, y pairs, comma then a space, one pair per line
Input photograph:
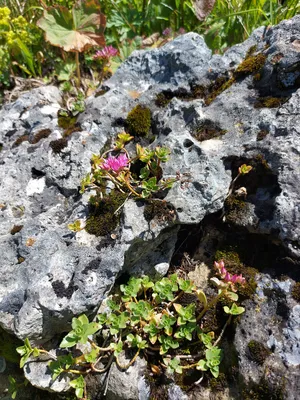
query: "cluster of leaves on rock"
146, 317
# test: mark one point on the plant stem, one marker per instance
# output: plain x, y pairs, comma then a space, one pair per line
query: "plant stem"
130, 363
223, 330
210, 305
77, 68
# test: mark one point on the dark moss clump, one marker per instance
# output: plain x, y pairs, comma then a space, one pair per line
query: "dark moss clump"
138, 121
251, 50
235, 266
266, 390
257, 351
262, 134
234, 207
1, 146
296, 292
8, 345
102, 219
207, 130
163, 99
15, 229
251, 64
65, 121
218, 384
21, 139
71, 129
160, 210
58, 145
217, 87
42, 134
20, 260
270, 102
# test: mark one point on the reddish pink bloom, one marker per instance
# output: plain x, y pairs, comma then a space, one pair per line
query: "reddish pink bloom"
226, 276
106, 53
115, 163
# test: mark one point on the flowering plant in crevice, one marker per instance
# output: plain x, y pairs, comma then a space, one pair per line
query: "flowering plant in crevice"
146, 318
105, 55
115, 166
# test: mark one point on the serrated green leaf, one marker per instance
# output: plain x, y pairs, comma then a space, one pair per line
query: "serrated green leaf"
74, 30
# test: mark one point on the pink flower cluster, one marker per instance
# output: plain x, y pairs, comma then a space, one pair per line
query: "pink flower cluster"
226, 276
115, 163
106, 53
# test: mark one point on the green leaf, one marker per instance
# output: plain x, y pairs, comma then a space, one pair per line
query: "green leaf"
69, 340
78, 384
215, 371
65, 71
166, 323
132, 288
186, 285
232, 296
25, 352
92, 356
117, 347
113, 305
173, 365
74, 30
186, 314
146, 283
144, 173
202, 366
186, 331
234, 310
167, 342
141, 309
13, 387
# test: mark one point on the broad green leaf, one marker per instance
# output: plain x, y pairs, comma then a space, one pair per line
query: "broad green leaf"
74, 30
69, 340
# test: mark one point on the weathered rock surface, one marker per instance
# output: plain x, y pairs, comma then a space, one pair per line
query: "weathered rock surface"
49, 274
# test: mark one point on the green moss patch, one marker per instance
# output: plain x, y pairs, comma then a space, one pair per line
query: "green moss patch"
68, 123
251, 64
234, 208
265, 390
270, 102
296, 292
102, 218
234, 265
257, 352
138, 121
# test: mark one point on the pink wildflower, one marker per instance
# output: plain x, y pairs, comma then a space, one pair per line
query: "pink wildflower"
106, 53
115, 163
167, 32
228, 278
181, 31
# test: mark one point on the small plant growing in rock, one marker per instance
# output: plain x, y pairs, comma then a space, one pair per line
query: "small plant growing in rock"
138, 175
147, 318
115, 166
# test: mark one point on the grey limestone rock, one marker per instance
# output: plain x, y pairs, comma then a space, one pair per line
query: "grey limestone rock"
49, 274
